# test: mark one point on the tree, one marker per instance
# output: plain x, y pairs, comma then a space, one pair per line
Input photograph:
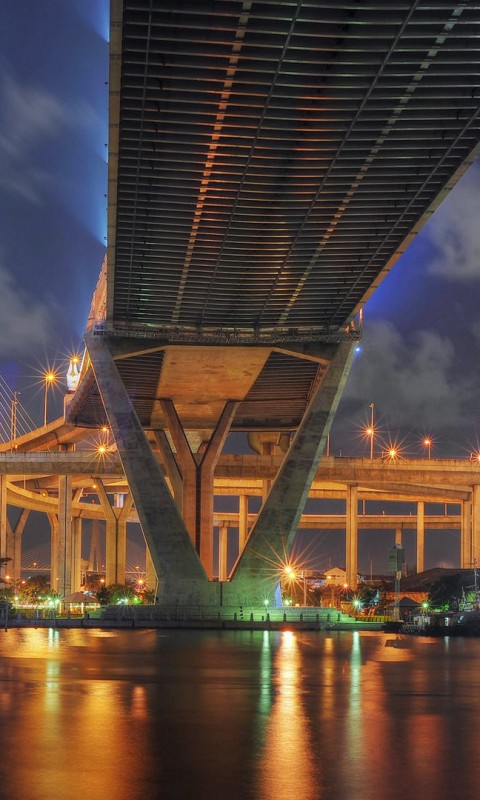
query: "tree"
36, 588
448, 593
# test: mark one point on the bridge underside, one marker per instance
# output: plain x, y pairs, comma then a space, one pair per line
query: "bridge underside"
270, 161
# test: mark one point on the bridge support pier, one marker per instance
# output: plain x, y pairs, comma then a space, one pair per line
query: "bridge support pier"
257, 573
476, 526
115, 535
64, 537
77, 554
242, 522
420, 536
151, 575
466, 556
222, 552
14, 545
351, 537
181, 576
197, 478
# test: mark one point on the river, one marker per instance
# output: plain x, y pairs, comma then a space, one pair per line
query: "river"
90, 714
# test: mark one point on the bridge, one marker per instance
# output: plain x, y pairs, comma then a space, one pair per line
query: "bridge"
73, 487
268, 164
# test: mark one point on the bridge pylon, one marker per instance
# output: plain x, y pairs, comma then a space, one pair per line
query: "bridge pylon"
184, 574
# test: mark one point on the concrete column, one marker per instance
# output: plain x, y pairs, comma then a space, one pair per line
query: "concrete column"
9, 550
206, 474
3, 517
222, 552
420, 536
268, 443
116, 535
110, 552
94, 560
466, 535
65, 537
197, 478
121, 513
110, 534
476, 525
242, 522
351, 537
187, 468
151, 575
181, 576
276, 525
77, 554
171, 467
398, 536
16, 568
268, 449
54, 577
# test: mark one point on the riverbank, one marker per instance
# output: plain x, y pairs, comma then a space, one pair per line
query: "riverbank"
154, 617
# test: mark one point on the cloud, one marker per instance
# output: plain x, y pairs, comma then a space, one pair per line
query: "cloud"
30, 115
411, 380
26, 324
455, 233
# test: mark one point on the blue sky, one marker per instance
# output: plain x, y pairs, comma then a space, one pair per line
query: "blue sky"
53, 172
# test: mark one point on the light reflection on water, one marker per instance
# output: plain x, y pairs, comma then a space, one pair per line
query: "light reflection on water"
286, 757
237, 715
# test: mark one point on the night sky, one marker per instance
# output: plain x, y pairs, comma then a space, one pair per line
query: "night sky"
53, 173
419, 355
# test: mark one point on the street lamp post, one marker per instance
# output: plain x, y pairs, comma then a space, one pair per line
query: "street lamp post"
428, 444
49, 378
372, 430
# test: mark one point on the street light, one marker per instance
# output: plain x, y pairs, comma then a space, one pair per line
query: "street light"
50, 378
427, 442
370, 430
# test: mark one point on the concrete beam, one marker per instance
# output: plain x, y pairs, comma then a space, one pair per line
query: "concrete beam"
367, 522
50, 463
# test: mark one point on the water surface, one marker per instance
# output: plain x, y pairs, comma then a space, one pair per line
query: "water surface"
237, 715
